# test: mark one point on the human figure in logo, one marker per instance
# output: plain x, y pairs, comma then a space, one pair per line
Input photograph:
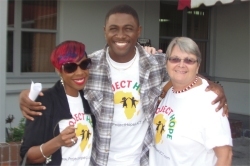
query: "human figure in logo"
158, 125
88, 134
162, 129
133, 101
124, 101
83, 132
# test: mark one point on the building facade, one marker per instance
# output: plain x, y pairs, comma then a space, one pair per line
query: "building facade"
28, 36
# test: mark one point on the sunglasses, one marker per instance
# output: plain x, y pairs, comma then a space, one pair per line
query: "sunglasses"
178, 60
71, 67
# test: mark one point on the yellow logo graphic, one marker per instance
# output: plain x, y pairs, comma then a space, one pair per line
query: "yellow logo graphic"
128, 102
160, 123
83, 132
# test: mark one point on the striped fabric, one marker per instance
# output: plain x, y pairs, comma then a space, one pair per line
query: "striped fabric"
100, 96
196, 3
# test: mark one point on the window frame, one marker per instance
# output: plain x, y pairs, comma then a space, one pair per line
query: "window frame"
184, 33
16, 76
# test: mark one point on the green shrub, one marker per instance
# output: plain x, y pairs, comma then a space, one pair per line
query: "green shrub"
16, 133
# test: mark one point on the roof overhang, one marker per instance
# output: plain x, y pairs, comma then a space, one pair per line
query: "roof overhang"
182, 4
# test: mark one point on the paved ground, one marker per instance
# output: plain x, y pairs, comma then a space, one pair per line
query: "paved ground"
241, 151
241, 145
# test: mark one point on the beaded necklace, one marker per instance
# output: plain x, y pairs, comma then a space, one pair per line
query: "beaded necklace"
187, 88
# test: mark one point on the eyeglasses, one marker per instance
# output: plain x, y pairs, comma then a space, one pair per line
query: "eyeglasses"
71, 67
178, 60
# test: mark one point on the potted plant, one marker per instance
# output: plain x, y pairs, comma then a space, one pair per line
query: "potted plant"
15, 134
13, 138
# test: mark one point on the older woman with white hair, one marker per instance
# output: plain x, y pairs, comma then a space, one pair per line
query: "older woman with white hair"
187, 130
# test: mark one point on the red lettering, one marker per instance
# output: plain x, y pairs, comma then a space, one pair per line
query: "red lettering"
122, 84
76, 118
79, 116
113, 88
165, 109
158, 110
169, 111
117, 85
71, 123
129, 83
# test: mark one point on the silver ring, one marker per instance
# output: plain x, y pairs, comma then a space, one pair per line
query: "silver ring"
73, 141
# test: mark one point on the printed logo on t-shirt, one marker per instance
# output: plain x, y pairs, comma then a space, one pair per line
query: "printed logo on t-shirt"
164, 121
127, 100
80, 152
82, 130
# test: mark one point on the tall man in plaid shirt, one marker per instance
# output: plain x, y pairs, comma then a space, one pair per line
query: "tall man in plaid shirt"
122, 91
123, 88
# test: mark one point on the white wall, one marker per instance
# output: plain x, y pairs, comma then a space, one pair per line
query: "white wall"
12, 100
230, 54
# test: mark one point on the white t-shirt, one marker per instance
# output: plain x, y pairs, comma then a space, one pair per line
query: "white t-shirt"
129, 125
187, 128
79, 154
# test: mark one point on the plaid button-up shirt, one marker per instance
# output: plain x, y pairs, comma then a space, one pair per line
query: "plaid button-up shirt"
98, 91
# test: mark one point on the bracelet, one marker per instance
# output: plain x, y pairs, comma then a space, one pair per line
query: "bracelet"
48, 159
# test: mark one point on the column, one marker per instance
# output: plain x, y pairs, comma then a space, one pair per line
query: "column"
3, 45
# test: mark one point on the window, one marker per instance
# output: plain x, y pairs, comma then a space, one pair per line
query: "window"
192, 23
32, 28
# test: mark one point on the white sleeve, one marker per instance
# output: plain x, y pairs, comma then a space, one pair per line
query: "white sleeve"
217, 129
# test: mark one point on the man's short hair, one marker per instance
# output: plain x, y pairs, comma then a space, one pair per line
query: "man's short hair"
126, 9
